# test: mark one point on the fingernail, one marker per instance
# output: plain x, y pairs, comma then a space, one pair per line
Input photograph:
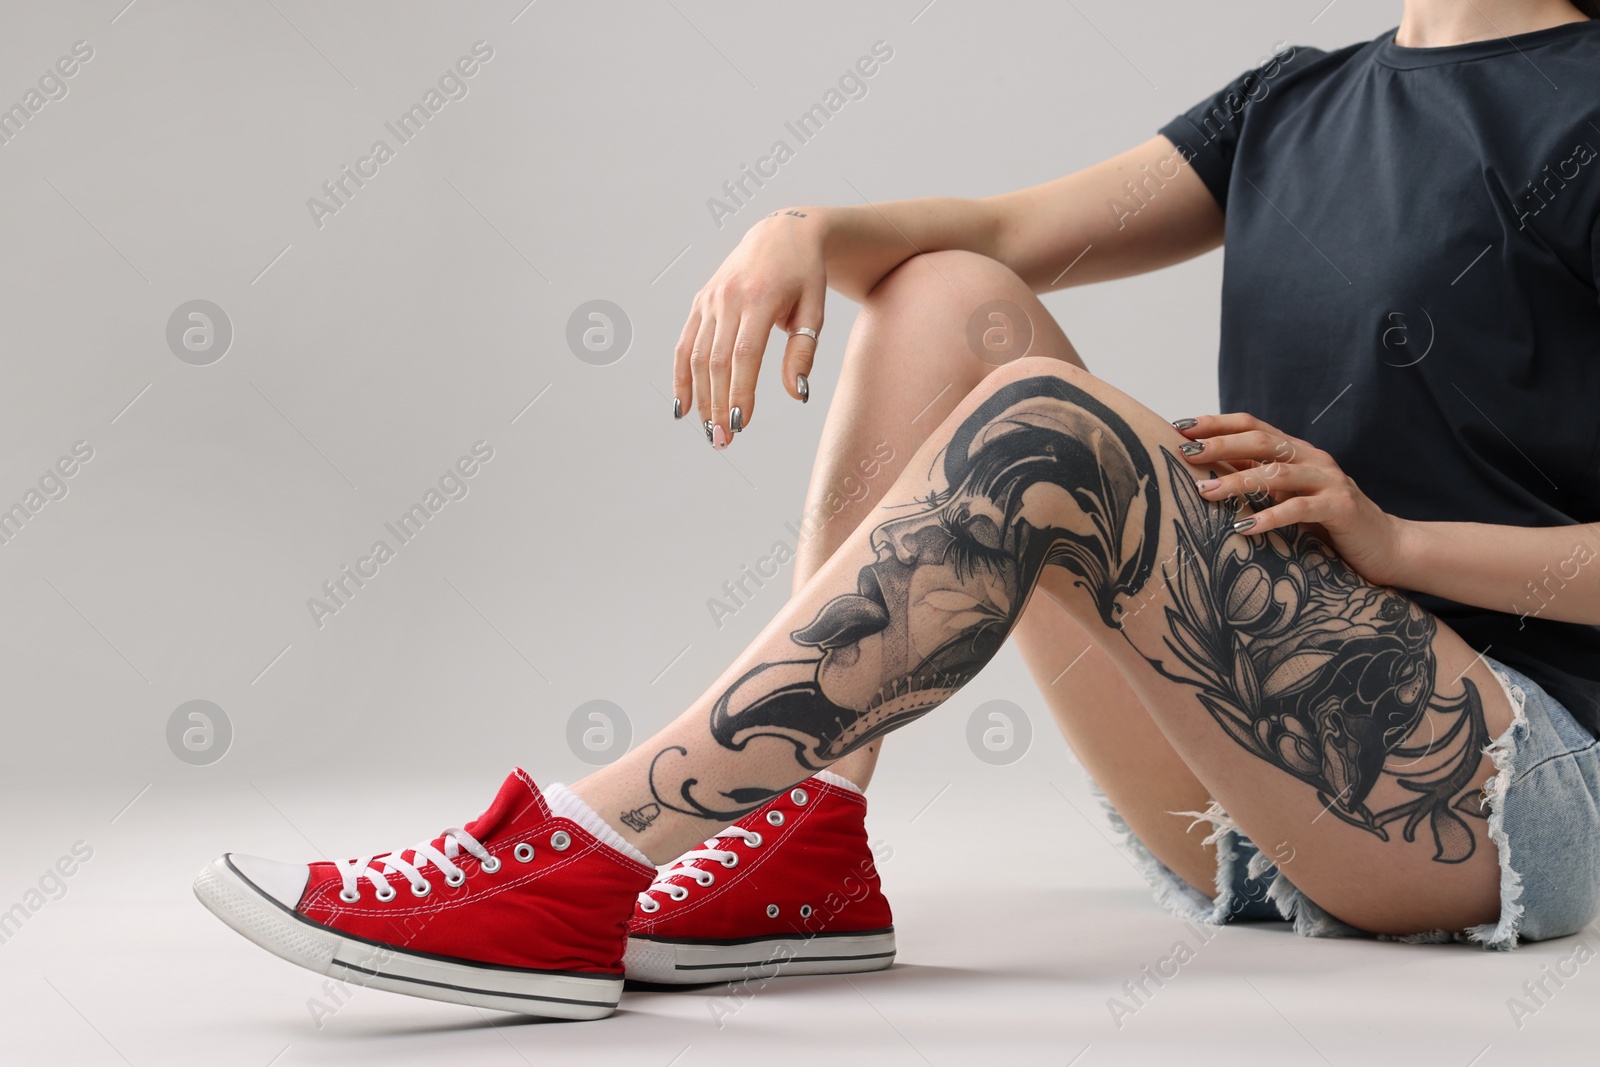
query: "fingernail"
1192, 448
708, 430
719, 437
677, 408
802, 385
1185, 424
735, 420
1208, 484
1244, 524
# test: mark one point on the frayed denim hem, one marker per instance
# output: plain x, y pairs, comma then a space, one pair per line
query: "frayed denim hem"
1503, 752
1249, 886
1171, 892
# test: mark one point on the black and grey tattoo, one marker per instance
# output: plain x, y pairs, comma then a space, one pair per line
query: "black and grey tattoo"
1040, 474
640, 818
1321, 674
1302, 662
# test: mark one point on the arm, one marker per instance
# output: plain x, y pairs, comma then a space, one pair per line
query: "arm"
1169, 216
1545, 571
779, 274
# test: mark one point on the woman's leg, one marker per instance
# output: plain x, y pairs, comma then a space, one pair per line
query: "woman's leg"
907, 364
1320, 711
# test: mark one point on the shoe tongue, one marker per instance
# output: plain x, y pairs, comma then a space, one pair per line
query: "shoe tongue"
519, 799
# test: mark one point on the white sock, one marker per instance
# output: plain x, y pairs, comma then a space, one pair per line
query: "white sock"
567, 805
840, 781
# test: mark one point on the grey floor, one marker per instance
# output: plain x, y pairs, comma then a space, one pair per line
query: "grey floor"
1019, 923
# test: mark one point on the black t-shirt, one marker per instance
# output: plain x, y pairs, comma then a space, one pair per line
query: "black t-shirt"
1412, 243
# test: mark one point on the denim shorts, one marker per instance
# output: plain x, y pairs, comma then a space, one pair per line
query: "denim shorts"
1544, 815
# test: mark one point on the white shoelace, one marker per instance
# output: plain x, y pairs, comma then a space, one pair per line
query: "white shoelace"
683, 866
455, 839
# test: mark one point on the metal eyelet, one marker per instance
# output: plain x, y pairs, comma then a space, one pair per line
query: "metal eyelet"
650, 905
731, 860
491, 864
775, 818
427, 887
799, 796
754, 840
805, 911
523, 852
706, 881
351, 898
385, 894
455, 878
677, 892
772, 911
560, 840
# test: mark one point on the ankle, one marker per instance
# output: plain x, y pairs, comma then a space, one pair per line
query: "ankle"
566, 804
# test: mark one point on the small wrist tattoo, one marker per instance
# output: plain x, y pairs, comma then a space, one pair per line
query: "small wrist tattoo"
791, 211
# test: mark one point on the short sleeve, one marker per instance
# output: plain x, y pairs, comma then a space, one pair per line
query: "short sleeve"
1207, 134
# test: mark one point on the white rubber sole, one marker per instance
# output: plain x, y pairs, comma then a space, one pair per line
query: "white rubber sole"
235, 900
697, 962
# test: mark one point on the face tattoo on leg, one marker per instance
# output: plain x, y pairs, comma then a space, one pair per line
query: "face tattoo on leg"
947, 583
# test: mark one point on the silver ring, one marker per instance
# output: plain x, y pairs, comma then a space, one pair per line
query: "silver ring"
806, 331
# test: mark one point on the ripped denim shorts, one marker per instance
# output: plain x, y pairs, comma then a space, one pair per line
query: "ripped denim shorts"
1544, 815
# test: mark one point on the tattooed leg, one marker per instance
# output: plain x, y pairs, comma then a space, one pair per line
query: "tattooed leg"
907, 365
1289, 686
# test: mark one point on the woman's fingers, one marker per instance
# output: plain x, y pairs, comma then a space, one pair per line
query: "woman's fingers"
700, 367
801, 349
1216, 425
1295, 509
1262, 446
1265, 478
749, 347
682, 375
720, 367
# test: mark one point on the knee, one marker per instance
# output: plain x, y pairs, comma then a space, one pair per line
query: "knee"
955, 279
1041, 366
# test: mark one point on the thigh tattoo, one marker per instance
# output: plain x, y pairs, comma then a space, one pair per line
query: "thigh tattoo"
1301, 662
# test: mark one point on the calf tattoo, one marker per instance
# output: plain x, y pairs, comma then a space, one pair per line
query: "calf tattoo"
1303, 663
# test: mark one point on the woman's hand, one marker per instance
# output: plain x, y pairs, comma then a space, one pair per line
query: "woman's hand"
1305, 486
775, 277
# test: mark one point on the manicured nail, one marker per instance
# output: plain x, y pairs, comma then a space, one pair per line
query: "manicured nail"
708, 430
802, 385
1192, 448
719, 437
735, 420
677, 408
1185, 424
1207, 484
1244, 524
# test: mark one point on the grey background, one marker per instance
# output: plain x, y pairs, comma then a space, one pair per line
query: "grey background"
370, 353
430, 313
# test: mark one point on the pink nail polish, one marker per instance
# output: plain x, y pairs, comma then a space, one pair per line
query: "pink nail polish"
719, 437
1206, 485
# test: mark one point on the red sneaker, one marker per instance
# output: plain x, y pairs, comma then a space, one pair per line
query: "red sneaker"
522, 910
789, 889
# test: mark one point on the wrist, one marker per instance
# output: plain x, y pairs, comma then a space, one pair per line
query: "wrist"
1410, 540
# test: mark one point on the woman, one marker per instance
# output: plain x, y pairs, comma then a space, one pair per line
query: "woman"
1410, 335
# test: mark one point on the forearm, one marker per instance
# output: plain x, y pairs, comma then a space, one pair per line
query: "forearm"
1551, 572
862, 243
1138, 211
